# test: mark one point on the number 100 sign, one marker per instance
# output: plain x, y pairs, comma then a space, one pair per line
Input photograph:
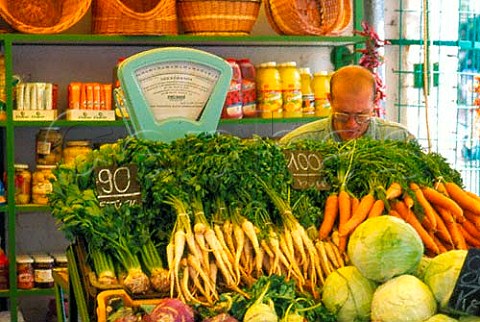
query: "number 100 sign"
117, 185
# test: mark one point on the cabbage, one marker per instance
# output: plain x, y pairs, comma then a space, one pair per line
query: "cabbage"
469, 318
348, 294
441, 318
384, 247
403, 298
442, 273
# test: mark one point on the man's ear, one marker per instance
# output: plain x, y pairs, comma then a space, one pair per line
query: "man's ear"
329, 97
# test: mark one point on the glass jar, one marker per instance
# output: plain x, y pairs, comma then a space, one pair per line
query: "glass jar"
49, 146
43, 271
23, 181
291, 89
74, 149
25, 274
269, 90
42, 184
61, 260
321, 87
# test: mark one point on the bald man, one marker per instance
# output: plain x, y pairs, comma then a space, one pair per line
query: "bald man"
351, 97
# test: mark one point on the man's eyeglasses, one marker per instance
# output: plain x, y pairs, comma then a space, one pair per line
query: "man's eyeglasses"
359, 118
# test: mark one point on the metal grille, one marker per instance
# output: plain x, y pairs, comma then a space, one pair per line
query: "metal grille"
438, 40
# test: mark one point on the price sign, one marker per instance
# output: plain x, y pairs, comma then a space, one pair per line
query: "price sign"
305, 167
117, 185
466, 294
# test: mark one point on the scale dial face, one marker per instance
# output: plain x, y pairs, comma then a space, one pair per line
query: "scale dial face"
177, 88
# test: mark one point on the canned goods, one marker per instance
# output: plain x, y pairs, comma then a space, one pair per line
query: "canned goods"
49, 146
41, 184
25, 274
75, 149
43, 271
23, 181
269, 90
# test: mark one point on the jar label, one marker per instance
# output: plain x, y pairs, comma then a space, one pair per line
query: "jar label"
43, 276
44, 147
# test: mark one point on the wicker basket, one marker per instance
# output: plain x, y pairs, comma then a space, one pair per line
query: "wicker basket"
71, 11
308, 17
115, 17
218, 17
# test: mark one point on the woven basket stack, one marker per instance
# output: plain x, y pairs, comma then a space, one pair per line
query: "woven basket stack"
308, 17
43, 16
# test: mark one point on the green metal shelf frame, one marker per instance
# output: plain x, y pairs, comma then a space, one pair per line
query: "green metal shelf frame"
10, 40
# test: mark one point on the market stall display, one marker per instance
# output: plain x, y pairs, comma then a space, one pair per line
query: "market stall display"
219, 216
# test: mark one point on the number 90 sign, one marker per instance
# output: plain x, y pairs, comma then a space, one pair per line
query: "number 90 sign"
117, 185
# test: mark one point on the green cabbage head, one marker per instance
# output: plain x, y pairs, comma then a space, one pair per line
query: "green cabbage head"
348, 294
442, 274
403, 298
441, 318
384, 247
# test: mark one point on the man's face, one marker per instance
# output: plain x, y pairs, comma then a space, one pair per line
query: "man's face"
352, 112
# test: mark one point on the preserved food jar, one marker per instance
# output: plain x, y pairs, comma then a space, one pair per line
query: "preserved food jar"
269, 90
42, 183
291, 89
49, 145
74, 149
321, 87
43, 271
3, 270
23, 181
60, 260
232, 108
25, 274
249, 90
308, 99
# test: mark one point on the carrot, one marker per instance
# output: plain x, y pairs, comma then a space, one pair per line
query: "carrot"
344, 211
394, 213
473, 195
330, 215
441, 247
440, 187
377, 208
438, 199
410, 218
457, 238
471, 228
408, 201
354, 202
359, 215
442, 230
469, 238
473, 218
460, 196
424, 203
394, 190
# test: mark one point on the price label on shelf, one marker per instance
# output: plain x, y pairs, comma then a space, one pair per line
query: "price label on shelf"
306, 169
117, 185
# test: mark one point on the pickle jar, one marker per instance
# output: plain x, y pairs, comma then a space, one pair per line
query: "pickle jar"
23, 181
25, 275
49, 146
43, 271
74, 149
42, 184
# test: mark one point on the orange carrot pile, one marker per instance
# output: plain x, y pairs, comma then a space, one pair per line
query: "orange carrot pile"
445, 216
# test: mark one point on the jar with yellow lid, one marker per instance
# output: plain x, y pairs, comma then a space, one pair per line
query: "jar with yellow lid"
42, 184
269, 90
291, 89
75, 149
321, 87
23, 181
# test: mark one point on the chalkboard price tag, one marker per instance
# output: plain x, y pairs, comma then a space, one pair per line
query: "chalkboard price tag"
306, 169
117, 185
466, 294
